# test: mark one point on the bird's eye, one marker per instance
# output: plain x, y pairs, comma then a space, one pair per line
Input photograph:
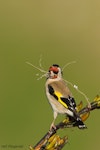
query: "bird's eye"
55, 72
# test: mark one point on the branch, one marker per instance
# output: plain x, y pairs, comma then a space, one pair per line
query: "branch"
52, 141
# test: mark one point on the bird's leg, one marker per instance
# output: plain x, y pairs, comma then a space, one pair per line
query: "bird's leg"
52, 128
52, 124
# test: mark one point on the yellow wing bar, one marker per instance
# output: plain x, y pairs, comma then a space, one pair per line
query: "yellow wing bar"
59, 95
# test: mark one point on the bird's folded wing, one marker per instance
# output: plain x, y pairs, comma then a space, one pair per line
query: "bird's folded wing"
65, 101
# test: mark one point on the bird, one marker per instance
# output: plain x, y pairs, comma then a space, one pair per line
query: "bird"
60, 97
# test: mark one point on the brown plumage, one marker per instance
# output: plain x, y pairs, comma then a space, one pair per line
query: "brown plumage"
60, 97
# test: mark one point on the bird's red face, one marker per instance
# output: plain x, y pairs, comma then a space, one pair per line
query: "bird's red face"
54, 71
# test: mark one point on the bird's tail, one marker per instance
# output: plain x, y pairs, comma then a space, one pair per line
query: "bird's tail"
77, 121
80, 123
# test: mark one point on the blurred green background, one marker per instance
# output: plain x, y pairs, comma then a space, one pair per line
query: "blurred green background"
60, 32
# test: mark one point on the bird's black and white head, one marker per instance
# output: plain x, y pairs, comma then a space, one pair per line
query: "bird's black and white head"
54, 72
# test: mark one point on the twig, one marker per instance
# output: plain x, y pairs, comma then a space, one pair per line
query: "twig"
52, 141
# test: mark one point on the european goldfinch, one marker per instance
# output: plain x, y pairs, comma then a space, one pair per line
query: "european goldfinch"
60, 97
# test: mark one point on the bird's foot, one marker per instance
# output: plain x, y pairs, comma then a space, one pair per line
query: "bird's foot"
89, 106
52, 127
